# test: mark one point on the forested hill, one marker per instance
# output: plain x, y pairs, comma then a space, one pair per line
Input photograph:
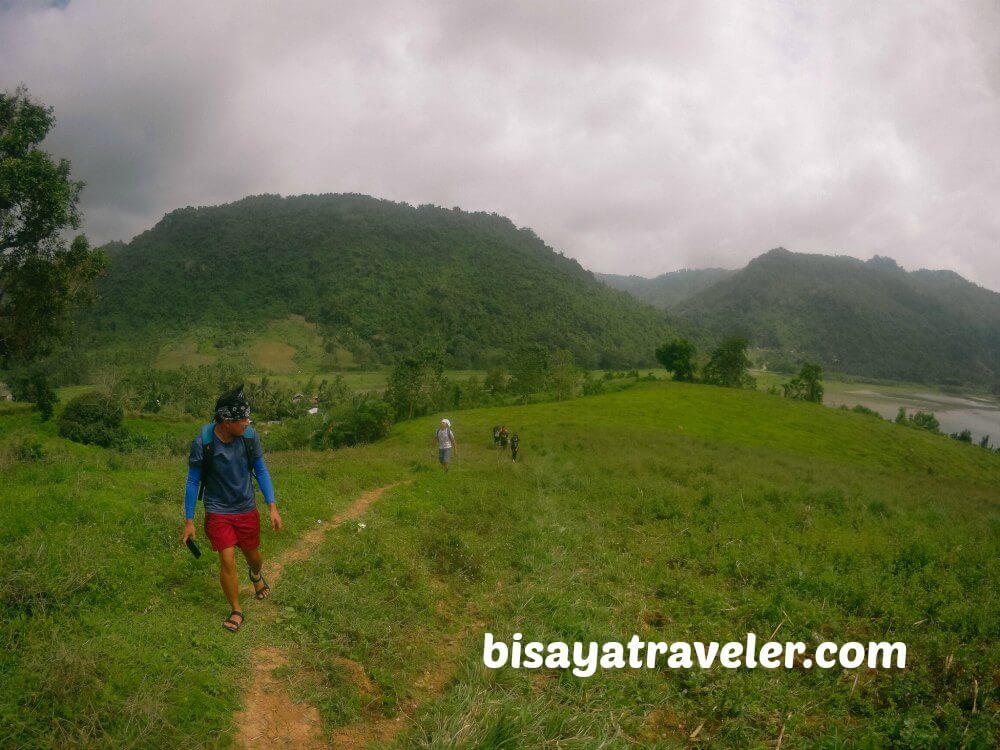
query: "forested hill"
377, 278
865, 317
669, 289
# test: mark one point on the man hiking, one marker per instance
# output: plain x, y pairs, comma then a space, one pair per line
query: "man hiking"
496, 436
515, 442
446, 443
504, 434
224, 458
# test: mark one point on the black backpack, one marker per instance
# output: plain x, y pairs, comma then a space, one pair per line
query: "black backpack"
207, 438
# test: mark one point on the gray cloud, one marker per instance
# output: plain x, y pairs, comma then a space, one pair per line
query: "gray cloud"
637, 138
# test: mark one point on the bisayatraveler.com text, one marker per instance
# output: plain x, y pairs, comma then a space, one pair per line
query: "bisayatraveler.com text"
585, 658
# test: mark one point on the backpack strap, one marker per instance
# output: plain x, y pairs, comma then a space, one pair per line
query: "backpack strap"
207, 441
248, 445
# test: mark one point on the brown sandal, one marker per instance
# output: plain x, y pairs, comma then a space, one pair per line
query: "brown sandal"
230, 621
262, 594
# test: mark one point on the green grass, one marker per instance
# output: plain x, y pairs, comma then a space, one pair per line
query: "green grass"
672, 511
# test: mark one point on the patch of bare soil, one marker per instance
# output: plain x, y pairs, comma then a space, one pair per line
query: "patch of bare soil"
271, 719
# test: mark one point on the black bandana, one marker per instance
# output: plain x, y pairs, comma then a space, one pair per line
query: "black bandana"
232, 405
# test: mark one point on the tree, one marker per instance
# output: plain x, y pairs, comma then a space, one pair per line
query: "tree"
677, 357
417, 385
729, 365
528, 370
563, 376
31, 384
807, 385
924, 420
41, 279
404, 388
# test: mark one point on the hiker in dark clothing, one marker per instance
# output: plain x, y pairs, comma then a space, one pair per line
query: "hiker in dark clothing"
224, 458
504, 434
496, 436
515, 441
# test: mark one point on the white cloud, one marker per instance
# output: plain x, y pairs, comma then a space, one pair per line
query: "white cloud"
638, 137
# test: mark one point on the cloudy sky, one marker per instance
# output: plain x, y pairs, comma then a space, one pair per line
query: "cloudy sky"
637, 137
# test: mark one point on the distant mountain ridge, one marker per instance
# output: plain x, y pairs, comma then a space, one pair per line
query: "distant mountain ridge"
669, 289
863, 317
378, 278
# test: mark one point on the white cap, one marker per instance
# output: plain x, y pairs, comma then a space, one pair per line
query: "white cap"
447, 422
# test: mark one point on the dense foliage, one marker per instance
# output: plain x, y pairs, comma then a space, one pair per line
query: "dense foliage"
677, 357
807, 385
868, 318
382, 280
95, 418
364, 420
729, 365
40, 277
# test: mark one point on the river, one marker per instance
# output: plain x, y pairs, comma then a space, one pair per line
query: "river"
979, 415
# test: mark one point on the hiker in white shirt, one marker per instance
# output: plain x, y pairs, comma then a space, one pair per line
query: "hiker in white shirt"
446, 443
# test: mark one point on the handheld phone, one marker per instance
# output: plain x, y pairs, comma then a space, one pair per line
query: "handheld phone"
193, 547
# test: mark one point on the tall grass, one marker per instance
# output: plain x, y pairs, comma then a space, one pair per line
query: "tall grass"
675, 512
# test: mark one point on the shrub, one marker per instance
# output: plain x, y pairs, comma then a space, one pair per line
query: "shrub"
865, 410
292, 434
29, 451
96, 419
922, 419
33, 385
364, 420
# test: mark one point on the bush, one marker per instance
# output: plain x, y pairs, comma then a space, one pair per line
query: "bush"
592, 387
30, 451
364, 420
860, 409
96, 419
292, 434
33, 385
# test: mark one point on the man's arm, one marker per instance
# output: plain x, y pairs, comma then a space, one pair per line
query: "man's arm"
267, 490
190, 500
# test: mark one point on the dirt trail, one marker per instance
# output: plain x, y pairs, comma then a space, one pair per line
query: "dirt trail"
271, 719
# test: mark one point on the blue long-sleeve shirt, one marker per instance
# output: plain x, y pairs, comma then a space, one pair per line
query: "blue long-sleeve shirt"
229, 488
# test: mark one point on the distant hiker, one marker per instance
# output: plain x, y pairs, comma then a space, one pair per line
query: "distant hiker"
446, 443
224, 458
504, 435
515, 441
496, 436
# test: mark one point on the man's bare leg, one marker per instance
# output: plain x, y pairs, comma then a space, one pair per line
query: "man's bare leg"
227, 577
256, 560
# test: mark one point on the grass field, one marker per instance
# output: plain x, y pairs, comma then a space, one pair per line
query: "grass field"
671, 511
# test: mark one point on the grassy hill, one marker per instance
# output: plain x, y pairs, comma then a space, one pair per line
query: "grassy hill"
668, 289
670, 511
336, 280
867, 318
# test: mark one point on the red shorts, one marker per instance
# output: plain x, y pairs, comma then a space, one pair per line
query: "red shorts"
237, 530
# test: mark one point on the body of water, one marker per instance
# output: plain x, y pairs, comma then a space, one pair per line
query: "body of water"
981, 416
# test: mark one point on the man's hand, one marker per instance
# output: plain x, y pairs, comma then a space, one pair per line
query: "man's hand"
189, 531
275, 518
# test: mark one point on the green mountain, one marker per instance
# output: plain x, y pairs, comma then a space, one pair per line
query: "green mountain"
869, 318
363, 279
669, 289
